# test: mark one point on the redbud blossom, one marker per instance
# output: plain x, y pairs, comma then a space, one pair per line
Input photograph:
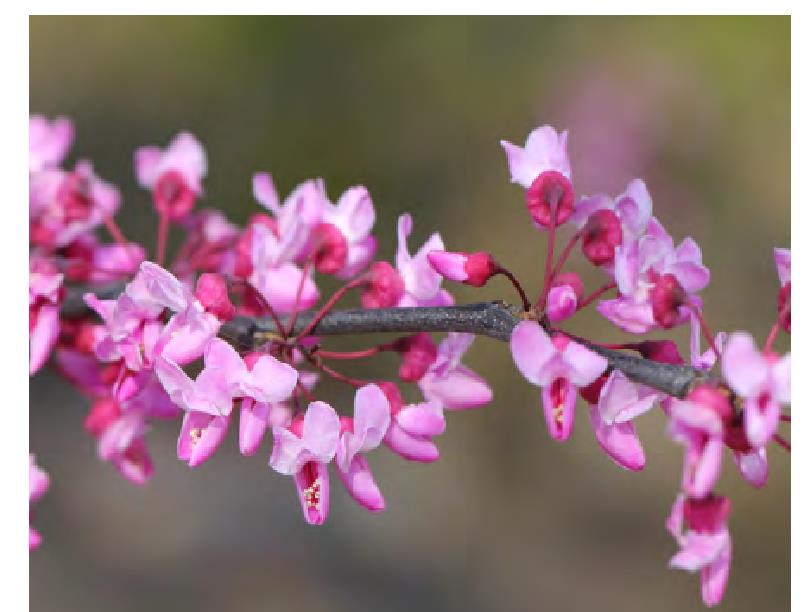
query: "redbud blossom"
418, 353
211, 291
562, 299
470, 268
600, 236
384, 287
550, 193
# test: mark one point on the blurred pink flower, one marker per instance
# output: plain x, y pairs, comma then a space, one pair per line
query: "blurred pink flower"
48, 142
38, 483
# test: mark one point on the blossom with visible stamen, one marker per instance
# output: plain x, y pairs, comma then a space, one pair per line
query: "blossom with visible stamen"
304, 450
559, 366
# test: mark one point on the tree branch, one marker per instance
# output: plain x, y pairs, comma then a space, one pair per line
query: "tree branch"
492, 319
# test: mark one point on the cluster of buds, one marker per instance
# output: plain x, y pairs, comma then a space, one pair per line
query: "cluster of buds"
131, 352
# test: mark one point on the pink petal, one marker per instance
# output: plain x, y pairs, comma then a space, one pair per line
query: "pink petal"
714, 577
265, 193
253, 422
288, 452
781, 379
585, 365
414, 448
200, 436
359, 483
449, 265
532, 348
742, 365
628, 315
619, 442
271, 380
147, 160
371, 416
321, 431
562, 303
704, 469
753, 466
279, 287
43, 337
424, 419
760, 420
699, 550
355, 214
782, 261
458, 390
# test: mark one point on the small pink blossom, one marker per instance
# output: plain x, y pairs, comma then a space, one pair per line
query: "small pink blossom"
384, 287
358, 436
38, 483
450, 383
421, 282
44, 297
48, 142
632, 209
705, 545
562, 302
413, 426
619, 402
353, 216
544, 150
763, 380
558, 366
174, 175
304, 450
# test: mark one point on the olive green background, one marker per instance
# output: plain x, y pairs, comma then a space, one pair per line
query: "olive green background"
414, 108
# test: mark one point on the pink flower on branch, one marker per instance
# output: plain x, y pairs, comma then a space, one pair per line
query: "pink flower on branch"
559, 366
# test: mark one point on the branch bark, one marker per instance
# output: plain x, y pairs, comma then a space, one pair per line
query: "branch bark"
493, 319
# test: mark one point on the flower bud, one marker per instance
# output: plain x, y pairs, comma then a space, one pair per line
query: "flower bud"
418, 352
667, 296
600, 236
470, 268
550, 189
211, 291
707, 515
384, 286
331, 249
661, 351
565, 293
173, 196
103, 413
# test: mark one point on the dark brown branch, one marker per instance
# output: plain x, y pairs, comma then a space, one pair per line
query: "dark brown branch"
492, 319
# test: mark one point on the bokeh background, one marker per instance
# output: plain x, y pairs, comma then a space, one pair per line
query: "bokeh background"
414, 109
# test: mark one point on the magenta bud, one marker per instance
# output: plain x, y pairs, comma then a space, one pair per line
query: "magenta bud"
667, 296
211, 291
600, 236
384, 286
173, 196
707, 515
418, 352
470, 268
550, 189
661, 351
331, 249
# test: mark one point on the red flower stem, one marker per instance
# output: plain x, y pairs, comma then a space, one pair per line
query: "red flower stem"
705, 330
516, 284
782, 442
162, 237
312, 359
115, 231
778, 325
596, 294
265, 306
296, 306
548, 262
335, 297
566, 253
368, 352
301, 390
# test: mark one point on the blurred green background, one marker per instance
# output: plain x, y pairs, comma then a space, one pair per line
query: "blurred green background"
414, 108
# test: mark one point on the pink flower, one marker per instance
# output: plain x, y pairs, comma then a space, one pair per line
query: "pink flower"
558, 366
470, 268
421, 282
450, 383
619, 402
38, 483
44, 297
632, 209
656, 281
413, 426
122, 444
174, 175
763, 380
48, 142
782, 260
562, 302
64, 205
358, 436
706, 545
543, 169
304, 450
353, 217
255, 417
698, 424
384, 287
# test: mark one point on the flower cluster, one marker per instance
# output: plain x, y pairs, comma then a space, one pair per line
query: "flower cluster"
155, 340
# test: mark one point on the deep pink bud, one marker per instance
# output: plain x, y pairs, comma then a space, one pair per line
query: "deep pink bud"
470, 268
550, 189
662, 351
565, 292
331, 249
591, 393
173, 196
667, 296
418, 352
735, 435
599, 237
74, 196
707, 515
783, 298
102, 414
384, 287
711, 397
211, 291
